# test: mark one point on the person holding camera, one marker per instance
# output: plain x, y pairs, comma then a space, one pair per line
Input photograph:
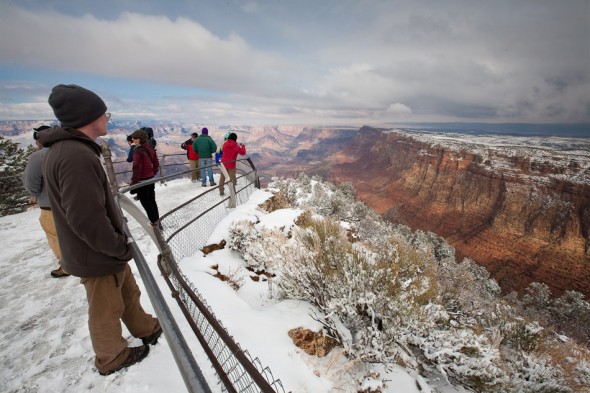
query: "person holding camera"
230, 151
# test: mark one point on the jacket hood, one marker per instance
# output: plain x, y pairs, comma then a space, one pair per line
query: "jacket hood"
58, 134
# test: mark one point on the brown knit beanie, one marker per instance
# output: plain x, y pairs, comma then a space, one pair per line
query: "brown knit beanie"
75, 106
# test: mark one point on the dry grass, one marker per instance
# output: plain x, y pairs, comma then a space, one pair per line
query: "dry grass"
572, 358
234, 277
315, 344
304, 220
410, 267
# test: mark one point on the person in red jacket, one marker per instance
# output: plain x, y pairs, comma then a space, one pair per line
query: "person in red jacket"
193, 157
230, 151
145, 166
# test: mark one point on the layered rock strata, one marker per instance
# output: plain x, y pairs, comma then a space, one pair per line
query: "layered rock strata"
521, 211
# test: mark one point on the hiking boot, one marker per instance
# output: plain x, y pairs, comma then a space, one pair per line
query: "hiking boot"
57, 273
213, 184
136, 355
157, 224
152, 339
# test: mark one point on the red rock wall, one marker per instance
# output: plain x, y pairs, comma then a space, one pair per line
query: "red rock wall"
515, 220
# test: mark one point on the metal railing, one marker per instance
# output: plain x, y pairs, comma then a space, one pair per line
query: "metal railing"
186, 229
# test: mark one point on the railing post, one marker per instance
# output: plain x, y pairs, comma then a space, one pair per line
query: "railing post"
256, 179
109, 168
162, 164
232, 188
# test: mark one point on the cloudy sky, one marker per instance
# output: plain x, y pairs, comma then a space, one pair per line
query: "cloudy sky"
302, 62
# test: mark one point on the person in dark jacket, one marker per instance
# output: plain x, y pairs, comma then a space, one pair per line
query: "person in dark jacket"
131, 148
145, 166
205, 148
90, 228
193, 157
230, 150
35, 185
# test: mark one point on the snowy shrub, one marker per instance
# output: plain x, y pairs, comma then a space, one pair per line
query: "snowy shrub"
537, 375
262, 249
13, 196
465, 356
569, 313
469, 295
572, 312
348, 189
303, 182
241, 234
523, 335
537, 295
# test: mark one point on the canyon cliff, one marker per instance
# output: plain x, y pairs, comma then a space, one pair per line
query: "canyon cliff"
521, 211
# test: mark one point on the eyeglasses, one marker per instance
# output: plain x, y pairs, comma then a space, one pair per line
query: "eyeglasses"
108, 115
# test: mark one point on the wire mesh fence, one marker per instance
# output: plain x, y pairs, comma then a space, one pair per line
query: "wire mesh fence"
238, 371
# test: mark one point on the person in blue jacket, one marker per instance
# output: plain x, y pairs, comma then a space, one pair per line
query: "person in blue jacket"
131, 148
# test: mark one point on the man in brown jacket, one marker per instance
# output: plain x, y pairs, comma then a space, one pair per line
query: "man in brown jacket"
90, 228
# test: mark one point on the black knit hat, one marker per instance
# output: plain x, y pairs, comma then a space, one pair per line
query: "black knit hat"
75, 106
233, 136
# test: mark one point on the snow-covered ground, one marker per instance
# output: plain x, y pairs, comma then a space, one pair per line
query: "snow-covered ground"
44, 342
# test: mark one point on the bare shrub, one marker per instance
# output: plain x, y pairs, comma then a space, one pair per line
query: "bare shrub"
234, 277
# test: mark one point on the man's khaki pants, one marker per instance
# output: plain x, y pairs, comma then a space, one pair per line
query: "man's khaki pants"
194, 166
48, 225
112, 299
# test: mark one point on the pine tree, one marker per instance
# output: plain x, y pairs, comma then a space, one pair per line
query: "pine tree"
13, 196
